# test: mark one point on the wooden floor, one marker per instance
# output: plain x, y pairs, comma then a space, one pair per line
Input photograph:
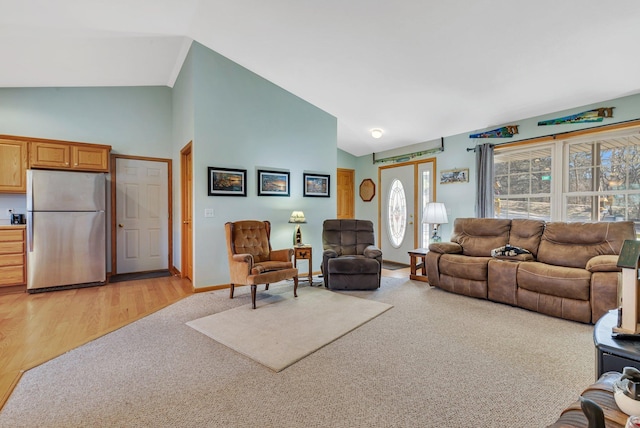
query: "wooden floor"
35, 328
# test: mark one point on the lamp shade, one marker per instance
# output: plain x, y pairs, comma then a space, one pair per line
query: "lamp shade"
435, 213
297, 217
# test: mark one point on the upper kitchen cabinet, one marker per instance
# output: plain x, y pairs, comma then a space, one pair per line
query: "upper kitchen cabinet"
13, 164
70, 156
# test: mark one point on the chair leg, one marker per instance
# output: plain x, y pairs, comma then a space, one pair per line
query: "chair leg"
295, 286
253, 295
266, 286
231, 291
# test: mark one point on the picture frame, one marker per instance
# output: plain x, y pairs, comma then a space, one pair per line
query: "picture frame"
227, 181
316, 185
457, 175
273, 183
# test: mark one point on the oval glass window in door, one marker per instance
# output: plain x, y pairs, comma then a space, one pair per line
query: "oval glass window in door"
396, 213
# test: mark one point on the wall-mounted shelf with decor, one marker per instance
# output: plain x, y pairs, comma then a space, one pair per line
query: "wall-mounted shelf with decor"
367, 189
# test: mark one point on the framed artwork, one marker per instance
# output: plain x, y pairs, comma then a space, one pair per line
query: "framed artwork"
454, 176
227, 182
273, 183
316, 185
367, 190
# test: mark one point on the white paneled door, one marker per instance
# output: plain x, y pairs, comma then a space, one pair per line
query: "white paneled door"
142, 212
397, 216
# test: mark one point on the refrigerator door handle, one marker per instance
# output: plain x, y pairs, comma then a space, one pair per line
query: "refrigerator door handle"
30, 230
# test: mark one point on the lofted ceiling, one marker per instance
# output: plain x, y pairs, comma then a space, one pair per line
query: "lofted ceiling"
417, 69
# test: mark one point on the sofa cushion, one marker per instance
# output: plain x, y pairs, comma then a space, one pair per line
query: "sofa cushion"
573, 244
466, 267
345, 265
478, 236
560, 281
526, 233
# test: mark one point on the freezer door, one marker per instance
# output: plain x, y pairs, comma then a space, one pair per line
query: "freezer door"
65, 191
66, 248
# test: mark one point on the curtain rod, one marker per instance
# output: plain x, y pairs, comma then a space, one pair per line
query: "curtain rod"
406, 157
554, 136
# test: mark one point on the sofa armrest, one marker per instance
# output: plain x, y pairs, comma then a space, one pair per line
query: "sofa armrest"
604, 263
329, 254
372, 252
283, 255
243, 258
445, 247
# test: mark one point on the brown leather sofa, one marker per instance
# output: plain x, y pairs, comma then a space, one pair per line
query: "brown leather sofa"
570, 272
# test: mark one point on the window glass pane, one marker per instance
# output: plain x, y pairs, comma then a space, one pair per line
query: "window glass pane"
579, 208
397, 214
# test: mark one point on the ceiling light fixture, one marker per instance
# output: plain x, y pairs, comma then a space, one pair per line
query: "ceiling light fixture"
376, 133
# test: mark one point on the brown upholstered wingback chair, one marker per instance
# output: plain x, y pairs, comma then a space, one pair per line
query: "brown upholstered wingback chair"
251, 259
350, 260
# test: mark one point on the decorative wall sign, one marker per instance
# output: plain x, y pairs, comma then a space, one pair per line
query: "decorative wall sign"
454, 176
504, 132
227, 182
595, 115
273, 183
367, 189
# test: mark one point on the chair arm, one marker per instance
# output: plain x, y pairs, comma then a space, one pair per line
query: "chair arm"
283, 255
603, 263
329, 254
445, 247
372, 252
243, 258
240, 267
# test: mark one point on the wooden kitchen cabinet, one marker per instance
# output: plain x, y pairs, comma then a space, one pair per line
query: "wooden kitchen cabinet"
71, 156
13, 255
13, 164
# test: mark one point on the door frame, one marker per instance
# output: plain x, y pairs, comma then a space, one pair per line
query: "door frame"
114, 240
416, 196
186, 250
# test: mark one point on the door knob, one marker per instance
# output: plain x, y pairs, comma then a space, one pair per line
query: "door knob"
120, 225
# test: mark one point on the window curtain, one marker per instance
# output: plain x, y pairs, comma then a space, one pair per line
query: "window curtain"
484, 181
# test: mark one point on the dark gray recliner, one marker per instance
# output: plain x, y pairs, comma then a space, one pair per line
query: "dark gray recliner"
350, 260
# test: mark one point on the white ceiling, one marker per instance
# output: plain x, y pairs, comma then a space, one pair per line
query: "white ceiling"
417, 69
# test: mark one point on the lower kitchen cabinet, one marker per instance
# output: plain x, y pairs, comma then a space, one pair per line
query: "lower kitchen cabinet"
12, 256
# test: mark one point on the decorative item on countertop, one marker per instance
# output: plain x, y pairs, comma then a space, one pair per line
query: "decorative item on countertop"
593, 412
595, 115
298, 218
435, 213
504, 132
626, 391
628, 314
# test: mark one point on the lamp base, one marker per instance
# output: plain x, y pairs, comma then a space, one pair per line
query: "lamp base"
297, 236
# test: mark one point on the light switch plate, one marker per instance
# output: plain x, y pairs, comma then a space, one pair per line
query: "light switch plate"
208, 212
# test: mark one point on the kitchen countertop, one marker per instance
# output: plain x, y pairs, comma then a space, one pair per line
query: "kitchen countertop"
12, 226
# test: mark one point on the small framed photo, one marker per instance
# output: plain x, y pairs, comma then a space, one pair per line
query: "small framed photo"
273, 183
454, 176
227, 182
316, 185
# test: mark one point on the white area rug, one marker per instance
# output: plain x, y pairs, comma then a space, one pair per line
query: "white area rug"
283, 329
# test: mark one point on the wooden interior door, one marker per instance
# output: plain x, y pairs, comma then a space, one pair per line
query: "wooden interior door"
346, 191
186, 186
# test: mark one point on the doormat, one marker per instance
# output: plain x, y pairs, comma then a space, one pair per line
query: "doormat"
138, 275
393, 265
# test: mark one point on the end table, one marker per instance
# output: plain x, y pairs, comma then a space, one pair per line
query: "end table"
304, 252
419, 253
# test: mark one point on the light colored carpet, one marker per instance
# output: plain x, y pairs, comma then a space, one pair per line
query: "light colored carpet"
284, 329
435, 360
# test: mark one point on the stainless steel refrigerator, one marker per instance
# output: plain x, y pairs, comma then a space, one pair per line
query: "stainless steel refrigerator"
66, 229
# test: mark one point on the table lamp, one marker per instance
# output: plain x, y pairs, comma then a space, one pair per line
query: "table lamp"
435, 213
297, 217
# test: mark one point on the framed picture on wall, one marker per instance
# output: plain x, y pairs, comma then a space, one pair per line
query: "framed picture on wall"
316, 185
227, 182
454, 176
273, 183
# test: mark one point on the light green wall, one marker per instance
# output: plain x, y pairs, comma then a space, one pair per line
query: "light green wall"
459, 198
244, 121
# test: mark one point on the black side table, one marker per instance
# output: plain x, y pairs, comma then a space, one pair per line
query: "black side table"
613, 354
